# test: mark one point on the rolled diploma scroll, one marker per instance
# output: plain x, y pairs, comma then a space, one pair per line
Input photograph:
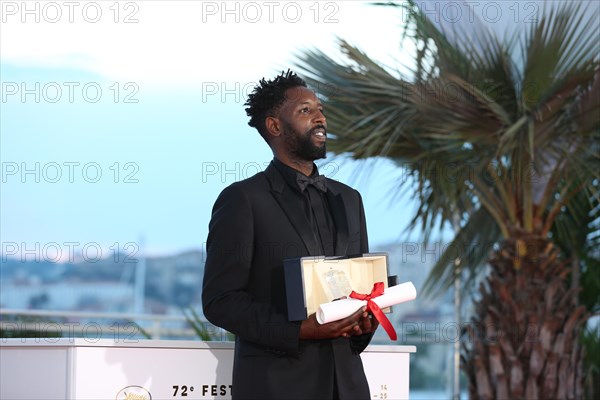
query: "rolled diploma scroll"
340, 309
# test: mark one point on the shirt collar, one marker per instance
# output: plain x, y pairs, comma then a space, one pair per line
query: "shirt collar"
289, 174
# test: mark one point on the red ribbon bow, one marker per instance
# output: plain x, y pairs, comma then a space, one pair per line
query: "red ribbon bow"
378, 289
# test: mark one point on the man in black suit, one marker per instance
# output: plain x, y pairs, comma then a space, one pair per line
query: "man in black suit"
287, 211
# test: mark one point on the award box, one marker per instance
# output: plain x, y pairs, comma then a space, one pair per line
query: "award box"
312, 281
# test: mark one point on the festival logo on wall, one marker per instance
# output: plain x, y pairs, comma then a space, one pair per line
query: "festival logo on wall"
133, 393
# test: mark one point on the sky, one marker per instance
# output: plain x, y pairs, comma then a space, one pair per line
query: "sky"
122, 121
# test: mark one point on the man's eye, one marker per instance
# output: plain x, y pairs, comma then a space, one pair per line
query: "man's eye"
305, 110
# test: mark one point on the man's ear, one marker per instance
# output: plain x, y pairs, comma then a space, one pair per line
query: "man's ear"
273, 126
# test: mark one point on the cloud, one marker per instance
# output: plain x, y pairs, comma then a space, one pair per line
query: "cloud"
185, 43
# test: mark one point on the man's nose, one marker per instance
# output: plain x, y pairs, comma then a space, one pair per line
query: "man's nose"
320, 118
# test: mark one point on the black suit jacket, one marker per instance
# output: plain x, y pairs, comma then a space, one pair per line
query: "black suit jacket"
256, 224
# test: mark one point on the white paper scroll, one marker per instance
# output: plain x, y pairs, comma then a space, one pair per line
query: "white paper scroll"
340, 309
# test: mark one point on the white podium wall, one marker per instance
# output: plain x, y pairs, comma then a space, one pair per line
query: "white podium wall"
48, 369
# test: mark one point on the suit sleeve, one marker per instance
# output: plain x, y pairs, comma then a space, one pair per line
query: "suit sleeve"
225, 301
359, 343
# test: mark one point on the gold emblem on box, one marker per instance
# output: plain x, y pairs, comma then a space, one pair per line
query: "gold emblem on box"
133, 393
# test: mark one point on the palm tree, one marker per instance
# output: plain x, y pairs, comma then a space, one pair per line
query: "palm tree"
501, 137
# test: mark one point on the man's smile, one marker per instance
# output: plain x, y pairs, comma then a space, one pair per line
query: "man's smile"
320, 133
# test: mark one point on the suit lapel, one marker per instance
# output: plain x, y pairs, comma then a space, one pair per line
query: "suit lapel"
338, 212
289, 203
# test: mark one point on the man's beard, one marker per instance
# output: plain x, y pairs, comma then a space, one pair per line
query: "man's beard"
301, 144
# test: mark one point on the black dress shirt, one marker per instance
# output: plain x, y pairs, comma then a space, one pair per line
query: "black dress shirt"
322, 225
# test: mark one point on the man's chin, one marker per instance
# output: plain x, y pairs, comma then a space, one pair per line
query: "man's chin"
311, 152
321, 152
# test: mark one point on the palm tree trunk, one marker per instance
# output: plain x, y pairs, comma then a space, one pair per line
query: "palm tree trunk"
523, 339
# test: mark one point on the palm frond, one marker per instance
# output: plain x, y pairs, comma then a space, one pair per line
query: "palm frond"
515, 130
467, 252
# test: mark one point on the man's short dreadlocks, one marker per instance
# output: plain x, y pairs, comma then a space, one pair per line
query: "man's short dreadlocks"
267, 97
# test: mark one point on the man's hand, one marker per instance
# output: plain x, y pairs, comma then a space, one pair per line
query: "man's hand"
367, 324
358, 323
